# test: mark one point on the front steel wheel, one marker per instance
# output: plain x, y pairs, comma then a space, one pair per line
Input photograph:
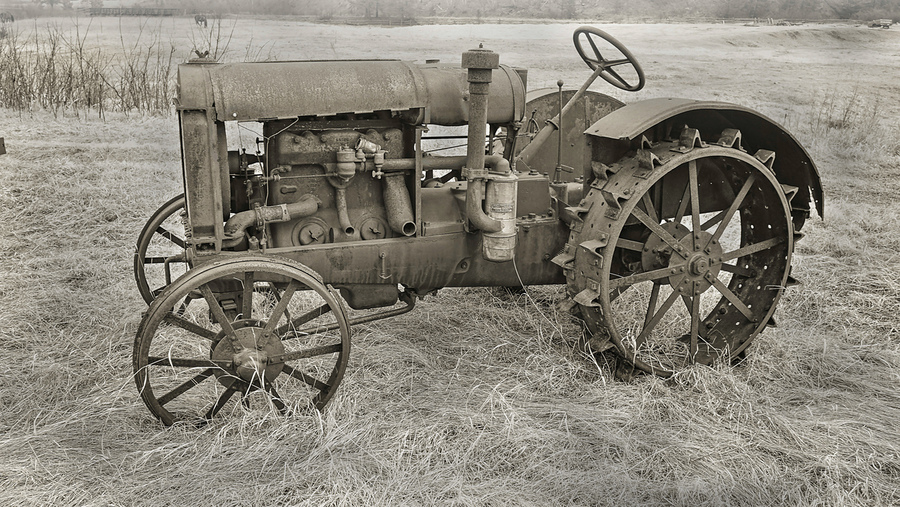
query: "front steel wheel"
159, 253
683, 254
241, 346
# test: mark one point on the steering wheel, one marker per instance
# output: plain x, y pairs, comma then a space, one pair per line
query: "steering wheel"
596, 61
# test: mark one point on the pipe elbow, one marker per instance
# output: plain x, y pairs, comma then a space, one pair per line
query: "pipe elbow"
474, 211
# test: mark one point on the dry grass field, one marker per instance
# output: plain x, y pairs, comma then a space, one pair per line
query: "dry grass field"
477, 397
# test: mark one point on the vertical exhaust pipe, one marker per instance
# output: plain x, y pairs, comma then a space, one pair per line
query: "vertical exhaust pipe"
498, 226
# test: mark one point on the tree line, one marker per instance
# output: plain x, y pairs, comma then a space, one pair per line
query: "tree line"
554, 9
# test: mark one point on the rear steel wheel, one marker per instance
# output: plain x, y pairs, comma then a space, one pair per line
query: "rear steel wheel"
242, 345
159, 254
681, 255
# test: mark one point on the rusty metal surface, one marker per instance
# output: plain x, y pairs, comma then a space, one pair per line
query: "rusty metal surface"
271, 90
793, 166
543, 105
337, 196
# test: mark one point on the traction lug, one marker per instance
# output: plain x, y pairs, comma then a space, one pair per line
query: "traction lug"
767, 157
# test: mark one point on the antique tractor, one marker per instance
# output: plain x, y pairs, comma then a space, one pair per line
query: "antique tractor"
671, 222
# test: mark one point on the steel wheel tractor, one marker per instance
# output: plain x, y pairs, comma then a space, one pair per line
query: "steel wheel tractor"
671, 222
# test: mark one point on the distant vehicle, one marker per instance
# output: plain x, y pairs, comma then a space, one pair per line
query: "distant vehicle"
881, 23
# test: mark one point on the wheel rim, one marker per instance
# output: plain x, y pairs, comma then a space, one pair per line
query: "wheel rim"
685, 264
241, 346
161, 238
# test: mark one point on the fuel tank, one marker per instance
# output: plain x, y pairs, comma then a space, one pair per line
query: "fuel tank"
431, 93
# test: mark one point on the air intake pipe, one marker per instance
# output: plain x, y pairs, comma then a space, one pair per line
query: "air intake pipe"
262, 215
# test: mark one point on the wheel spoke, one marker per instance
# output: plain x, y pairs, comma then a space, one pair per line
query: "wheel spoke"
615, 74
247, 306
657, 229
216, 309
713, 221
752, 248
596, 49
738, 270
628, 244
303, 319
683, 204
733, 299
613, 63
649, 208
181, 362
646, 276
307, 379
695, 322
170, 236
281, 306
181, 389
651, 306
695, 196
276, 399
667, 304
306, 353
738, 200
178, 320
223, 399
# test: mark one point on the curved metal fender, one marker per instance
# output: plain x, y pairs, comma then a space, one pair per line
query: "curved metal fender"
792, 166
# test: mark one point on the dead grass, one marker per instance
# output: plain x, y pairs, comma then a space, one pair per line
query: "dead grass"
477, 397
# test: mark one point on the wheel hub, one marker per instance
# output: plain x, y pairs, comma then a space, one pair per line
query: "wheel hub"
251, 360
701, 265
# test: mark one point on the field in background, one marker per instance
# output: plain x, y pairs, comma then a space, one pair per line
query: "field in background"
476, 397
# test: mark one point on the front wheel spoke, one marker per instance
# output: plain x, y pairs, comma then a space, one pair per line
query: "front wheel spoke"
733, 299
648, 328
216, 309
282, 305
276, 399
303, 319
247, 306
183, 323
223, 399
738, 200
656, 229
752, 249
306, 379
181, 362
646, 276
170, 236
307, 353
184, 387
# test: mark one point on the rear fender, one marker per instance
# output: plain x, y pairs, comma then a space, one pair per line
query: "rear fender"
658, 119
